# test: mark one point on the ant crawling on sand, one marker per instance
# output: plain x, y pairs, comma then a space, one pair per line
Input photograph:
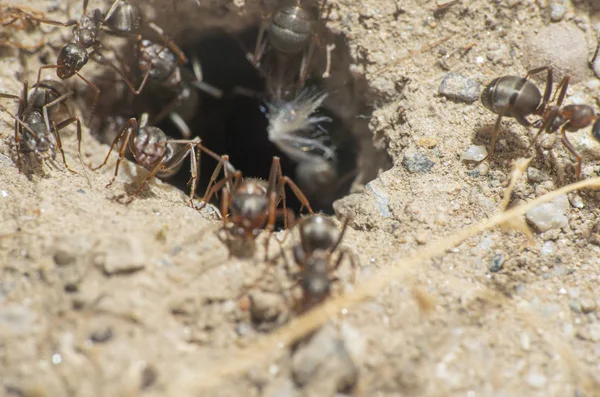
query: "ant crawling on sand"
153, 150
319, 239
249, 204
516, 97
74, 56
35, 131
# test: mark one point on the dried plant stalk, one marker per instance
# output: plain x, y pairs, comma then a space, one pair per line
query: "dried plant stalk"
268, 346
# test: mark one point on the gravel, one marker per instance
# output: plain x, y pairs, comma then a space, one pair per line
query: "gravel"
322, 365
417, 162
550, 215
460, 88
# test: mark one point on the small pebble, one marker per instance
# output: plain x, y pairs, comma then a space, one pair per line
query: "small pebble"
550, 215
536, 176
588, 305
267, 309
323, 363
461, 88
536, 380
427, 142
62, 257
417, 162
122, 254
548, 248
102, 335
422, 238
576, 201
497, 263
475, 153
557, 11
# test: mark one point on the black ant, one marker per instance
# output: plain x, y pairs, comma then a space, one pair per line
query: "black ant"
248, 204
319, 239
165, 65
153, 150
35, 131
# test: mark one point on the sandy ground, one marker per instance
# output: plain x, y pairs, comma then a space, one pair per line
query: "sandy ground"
98, 298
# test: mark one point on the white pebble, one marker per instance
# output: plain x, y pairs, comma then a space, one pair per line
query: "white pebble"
548, 248
550, 215
475, 153
536, 380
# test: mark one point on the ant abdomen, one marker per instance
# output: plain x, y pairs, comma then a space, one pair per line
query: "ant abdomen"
71, 59
499, 93
291, 29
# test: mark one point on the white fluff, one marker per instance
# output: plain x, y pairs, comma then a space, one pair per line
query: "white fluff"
295, 129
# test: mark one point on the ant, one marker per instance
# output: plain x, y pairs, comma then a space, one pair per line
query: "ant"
74, 56
319, 239
153, 150
249, 204
35, 131
291, 30
163, 63
516, 97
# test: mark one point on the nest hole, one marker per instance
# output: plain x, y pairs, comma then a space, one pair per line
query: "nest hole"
236, 124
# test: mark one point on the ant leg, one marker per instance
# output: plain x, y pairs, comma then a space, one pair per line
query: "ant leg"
274, 185
158, 167
93, 86
39, 76
271, 220
259, 48
303, 200
200, 84
548, 89
338, 262
342, 232
135, 91
56, 134
62, 125
126, 132
593, 60
110, 11
571, 148
45, 108
562, 87
169, 43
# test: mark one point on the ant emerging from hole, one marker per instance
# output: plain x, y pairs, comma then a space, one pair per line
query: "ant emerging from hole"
319, 239
153, 150
291, 32
35, 131
74, 56
248, 204
164, 65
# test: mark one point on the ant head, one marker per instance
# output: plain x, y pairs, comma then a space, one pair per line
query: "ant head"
317, 233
